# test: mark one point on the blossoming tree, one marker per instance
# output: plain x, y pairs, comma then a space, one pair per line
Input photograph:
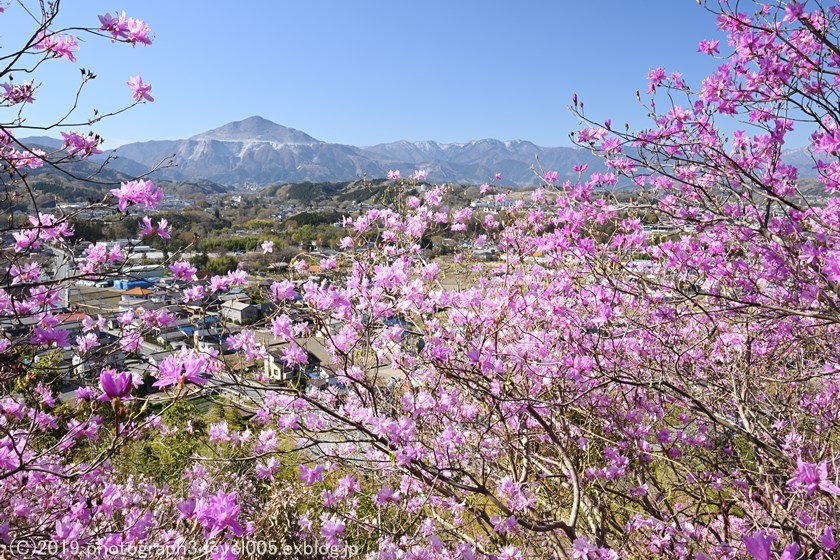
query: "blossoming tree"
605, 392
601, 391
60, 494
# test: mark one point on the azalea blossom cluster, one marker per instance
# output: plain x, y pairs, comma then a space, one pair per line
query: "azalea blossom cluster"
14, 94
604, 392
48, 43
599, 391
126, 29
58, 46
59, 492
419, 175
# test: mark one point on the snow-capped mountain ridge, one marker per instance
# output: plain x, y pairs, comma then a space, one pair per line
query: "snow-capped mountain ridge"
256, 151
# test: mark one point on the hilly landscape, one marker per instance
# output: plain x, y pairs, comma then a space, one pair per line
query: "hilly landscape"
256, 153
92, 179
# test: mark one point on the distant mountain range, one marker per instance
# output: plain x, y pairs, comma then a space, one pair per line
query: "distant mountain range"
256, 152
91, 179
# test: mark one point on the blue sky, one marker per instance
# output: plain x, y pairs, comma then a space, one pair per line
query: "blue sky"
368, 71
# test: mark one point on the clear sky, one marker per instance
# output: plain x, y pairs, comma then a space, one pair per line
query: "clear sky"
368, 71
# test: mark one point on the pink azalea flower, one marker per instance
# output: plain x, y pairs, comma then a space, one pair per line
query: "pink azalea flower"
194, 293
790, 552
246, 342
219, 283
237, 277
115, 254
23, 93
281, 327
182, 270
137, 192
146, 227
510, 552
708, 47
758, 545
311, 476
141, 90
84, 394
331, 529
294, 355
266, 469
138, 32
59, 46
87, 342
114, 385
346, 487
219, 513
655, 77
29, 273
51, 228
76, 143
27, 239
793, 11
180, 368
118, 27
283, 290
827, 539
812, 477
163, 229
50, 337
131, 341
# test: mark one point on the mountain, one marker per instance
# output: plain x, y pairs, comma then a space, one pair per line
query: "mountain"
44, 142
258, 152
801, 159
257, 129
92, 178
518, 161
98, 164
253, 152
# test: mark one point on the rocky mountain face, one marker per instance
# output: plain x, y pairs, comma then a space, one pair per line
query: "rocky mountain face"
258, 152
252, 152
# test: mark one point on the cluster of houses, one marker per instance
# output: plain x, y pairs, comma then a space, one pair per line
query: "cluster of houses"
203, 326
